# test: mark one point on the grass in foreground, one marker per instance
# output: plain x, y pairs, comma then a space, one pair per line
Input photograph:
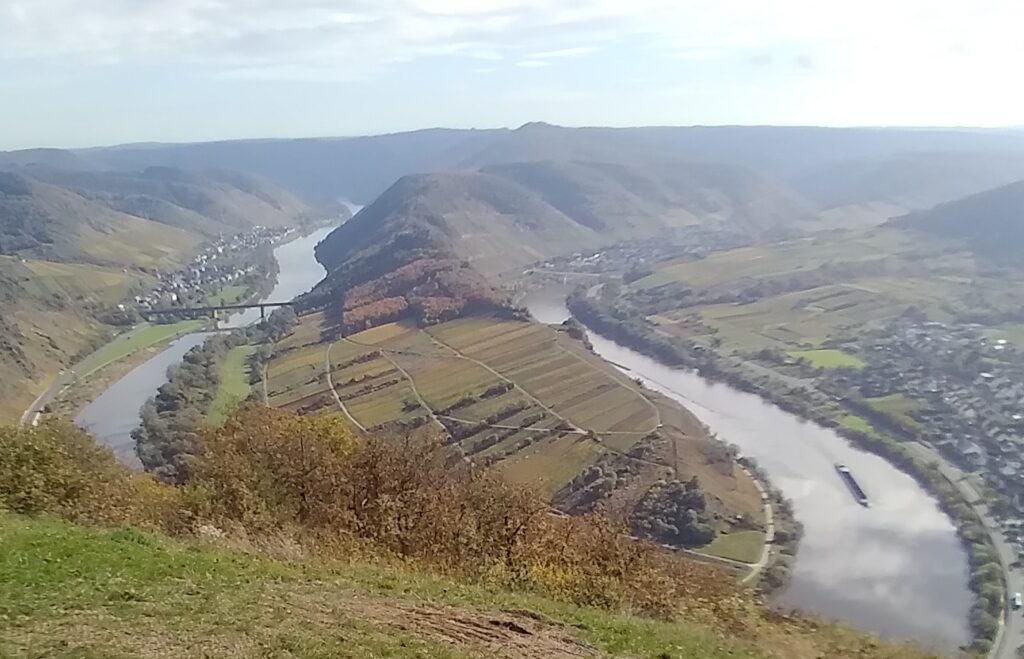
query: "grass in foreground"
234, 384
67, 591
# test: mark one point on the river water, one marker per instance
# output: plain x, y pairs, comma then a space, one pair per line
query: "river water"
896, 568
115, 413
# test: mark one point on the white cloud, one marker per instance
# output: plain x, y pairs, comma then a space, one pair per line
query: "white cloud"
323, 31
931, 47
578, 51
533, 64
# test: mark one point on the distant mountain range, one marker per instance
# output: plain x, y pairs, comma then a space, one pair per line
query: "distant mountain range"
829, 166
449, 211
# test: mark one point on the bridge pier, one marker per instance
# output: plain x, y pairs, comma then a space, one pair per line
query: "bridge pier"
199, 312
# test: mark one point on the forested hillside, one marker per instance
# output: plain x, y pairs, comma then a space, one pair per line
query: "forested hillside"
44, 221
991, 223
495, 221
209, 202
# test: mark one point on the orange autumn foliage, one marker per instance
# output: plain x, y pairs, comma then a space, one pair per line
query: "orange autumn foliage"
430, 290
269, 470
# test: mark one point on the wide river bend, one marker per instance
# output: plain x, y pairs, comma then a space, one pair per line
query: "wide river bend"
896, 568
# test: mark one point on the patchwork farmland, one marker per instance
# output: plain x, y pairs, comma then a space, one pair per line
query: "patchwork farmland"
517, 396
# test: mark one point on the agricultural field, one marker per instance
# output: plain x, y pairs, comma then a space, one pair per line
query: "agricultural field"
82, 281
828, 358
794, 296
233, 294
778, 260
742, 546
521, 397
898, 409
1012, 333
234, 384
548, 367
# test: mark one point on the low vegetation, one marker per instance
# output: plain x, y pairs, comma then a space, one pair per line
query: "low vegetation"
527, 400
349, 530
828, 358
165, 441
233, 386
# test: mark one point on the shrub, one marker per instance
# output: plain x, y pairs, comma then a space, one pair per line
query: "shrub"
59, 470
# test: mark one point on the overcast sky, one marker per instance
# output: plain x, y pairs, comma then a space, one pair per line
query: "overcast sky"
86, 72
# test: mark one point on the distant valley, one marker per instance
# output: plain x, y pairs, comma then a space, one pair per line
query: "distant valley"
801, 264
75, 244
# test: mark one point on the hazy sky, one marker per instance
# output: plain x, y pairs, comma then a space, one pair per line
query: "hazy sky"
83, 72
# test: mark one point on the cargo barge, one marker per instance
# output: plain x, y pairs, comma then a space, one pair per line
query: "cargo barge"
853, 485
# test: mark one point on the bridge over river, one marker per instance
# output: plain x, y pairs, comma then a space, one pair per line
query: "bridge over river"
211, 310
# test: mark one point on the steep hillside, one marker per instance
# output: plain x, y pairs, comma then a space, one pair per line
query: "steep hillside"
49, 317
633, 199
209, 203
912, 180
489, 220
74, 242
39, 220
507, 216
991, 222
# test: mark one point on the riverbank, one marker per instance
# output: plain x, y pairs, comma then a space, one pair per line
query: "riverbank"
112, 416
970, 528
114, 360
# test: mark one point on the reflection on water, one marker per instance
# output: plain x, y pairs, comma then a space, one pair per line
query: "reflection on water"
896, 568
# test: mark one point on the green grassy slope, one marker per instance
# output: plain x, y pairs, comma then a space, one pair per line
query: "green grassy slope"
234, 384
66, 591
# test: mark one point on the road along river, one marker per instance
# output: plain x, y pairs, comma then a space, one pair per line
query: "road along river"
115, 413
896, 568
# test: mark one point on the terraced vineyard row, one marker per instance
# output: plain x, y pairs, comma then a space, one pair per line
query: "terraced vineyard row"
508, 392
522, 397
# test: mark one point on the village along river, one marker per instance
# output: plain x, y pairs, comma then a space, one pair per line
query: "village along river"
115, 413
896, 568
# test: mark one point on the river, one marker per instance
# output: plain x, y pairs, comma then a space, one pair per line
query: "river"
115, 413
896, 568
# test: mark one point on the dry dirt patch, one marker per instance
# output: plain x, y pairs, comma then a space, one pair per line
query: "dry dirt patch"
513, 634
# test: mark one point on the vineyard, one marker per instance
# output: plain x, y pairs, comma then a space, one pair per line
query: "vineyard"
521, 397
